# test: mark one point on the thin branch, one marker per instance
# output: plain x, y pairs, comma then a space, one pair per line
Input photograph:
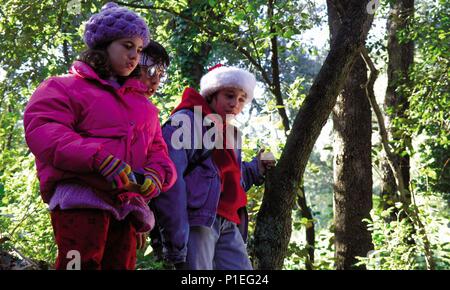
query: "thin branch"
204, 27
26, 215
383, 132
443, 170
309, 229
274, 86
401, 186
252, 38
276, 70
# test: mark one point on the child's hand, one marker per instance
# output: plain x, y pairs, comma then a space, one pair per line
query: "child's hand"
266, 161
141, 240
152, 183
133, 186
115, 171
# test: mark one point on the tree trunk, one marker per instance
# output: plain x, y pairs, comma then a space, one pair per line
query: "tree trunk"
352, 124
401, 56
352, 170
274, 220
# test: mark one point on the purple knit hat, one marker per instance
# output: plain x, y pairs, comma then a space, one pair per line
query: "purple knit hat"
114, 22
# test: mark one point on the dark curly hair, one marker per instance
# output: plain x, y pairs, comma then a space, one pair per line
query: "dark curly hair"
98, 59
157, 52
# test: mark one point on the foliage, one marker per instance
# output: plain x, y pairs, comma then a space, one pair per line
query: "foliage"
393, 249
426, 120
25, 219
429, 114
43, 31
40, 39
147, 261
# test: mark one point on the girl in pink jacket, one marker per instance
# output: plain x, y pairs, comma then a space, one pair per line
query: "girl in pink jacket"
91, 131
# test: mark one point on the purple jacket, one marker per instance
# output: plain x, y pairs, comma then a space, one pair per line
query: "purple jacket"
193, 199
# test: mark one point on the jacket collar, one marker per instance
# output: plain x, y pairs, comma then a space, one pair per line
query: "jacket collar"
83, 70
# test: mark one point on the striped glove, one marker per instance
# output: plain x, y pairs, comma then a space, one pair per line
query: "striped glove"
115, 171
152, 183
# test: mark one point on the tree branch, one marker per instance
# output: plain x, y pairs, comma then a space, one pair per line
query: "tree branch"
401, 186
274, 220
383, 132
276, 70
204, 27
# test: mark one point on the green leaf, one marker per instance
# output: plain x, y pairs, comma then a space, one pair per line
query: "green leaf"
148, 250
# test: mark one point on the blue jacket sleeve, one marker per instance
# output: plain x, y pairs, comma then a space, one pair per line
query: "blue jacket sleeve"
171, 206
250, 174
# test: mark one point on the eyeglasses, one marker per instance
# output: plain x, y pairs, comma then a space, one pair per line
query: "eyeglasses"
156, 70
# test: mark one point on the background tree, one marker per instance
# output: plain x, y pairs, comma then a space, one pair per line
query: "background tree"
400, 59
429, 112
352, 125
274, 221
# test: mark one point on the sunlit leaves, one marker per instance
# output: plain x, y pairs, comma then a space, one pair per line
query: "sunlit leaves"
429, 112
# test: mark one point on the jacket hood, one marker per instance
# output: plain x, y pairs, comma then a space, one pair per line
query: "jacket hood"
192, 98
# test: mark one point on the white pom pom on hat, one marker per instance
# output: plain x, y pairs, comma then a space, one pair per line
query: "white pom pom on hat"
220, 77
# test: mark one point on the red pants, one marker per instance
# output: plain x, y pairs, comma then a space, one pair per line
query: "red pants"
102, 241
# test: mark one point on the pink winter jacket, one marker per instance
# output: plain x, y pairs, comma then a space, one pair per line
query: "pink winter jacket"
73, 122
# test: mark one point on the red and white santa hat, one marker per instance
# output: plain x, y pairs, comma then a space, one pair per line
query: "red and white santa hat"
221, 76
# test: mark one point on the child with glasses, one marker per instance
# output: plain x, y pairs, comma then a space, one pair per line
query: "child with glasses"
154, 62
